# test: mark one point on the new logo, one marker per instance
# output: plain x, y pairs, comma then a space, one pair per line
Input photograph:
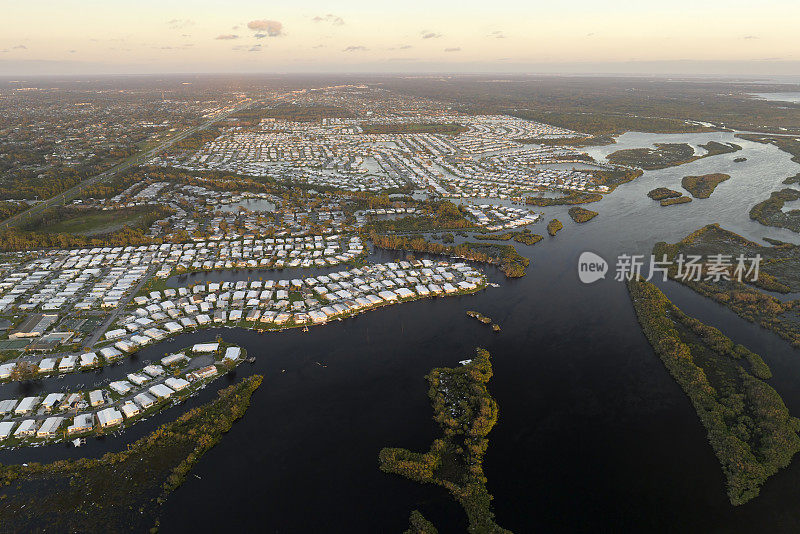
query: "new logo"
591, 267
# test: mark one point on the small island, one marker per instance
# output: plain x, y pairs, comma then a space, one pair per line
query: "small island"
679, 200
553, 227
466, 413
702, 186
581, 215
485, 319
662, 193
739, 160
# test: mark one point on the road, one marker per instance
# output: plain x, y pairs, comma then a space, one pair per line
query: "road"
123, 303
75, 191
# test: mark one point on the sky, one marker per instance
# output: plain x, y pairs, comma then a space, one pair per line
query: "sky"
621, 36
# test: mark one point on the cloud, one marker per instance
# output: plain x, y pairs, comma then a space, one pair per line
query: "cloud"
331, 18
226, 37
453, 49
318, 46
497, 34
358, 48
405, 47
176, 24
430, 35
266, 28
255, 48
19, 47
750, 37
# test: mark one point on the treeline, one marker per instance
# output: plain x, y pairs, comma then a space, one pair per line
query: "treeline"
608, 124
573, 197
409, 128
14, 240
7, 209
440, 215
198, 139
525, 236
466, 413
749, 427
293, 112
505, 257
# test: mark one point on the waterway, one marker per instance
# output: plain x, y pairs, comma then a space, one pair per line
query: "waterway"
593, 433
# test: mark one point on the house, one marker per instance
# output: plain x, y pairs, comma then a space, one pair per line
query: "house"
88, 359
7, 406
5, 429
173, 359
27, 405
110, 353
52, 400
81, 423
154, 370
109, 417
6, 369
176, 384
144, 400
129, 409
205, 372
232, 353
161, 391
67, 363
25, 428
96, 397
121, 387
50, 427
205, 347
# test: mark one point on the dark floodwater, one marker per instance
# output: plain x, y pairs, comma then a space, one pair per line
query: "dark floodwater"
593, 435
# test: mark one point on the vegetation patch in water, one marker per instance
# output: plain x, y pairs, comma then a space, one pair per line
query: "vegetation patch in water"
779, 271
702, 186
770, 212
581, 215
506, 257
662, 193
679, 200
748, 425
466, 413
554, 226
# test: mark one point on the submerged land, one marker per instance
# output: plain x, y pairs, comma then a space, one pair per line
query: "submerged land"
779, 271
119, 491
